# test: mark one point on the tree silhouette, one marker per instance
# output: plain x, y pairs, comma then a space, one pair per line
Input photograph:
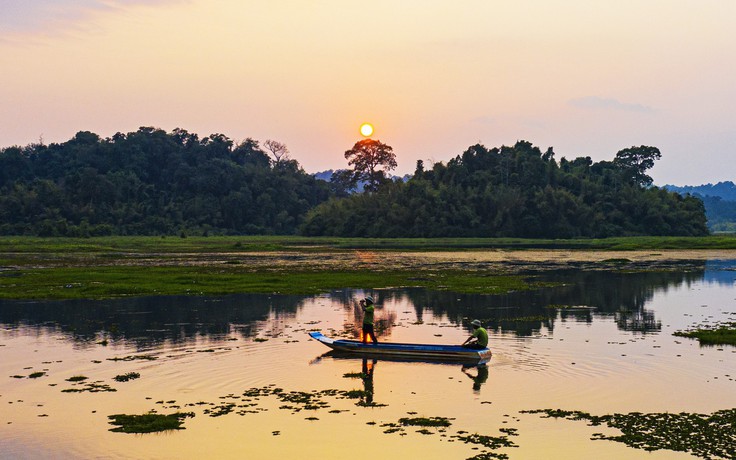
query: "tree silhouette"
278, 150
371, 159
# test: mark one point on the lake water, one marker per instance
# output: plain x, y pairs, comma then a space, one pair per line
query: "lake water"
235, 361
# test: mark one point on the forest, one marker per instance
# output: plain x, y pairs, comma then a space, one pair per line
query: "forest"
150, 182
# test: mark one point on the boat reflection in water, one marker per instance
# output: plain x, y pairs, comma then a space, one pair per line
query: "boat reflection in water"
477, 371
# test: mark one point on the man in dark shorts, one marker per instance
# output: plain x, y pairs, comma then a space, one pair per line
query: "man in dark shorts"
368, 308
479, 339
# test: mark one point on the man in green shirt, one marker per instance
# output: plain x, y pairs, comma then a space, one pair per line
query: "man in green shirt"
479, 339
368, 309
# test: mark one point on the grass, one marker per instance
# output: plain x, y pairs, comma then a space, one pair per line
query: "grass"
170, 245
148, 423
126, 281
724, 334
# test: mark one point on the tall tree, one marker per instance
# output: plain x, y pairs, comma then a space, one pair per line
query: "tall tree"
371, 159
635, 161
278, 149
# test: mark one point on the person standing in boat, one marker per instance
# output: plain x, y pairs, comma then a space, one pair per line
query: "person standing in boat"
479, 339
368, 309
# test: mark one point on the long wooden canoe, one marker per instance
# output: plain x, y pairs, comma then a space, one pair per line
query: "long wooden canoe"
407, 350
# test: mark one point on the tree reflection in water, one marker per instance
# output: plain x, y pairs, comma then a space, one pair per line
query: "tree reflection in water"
152, 320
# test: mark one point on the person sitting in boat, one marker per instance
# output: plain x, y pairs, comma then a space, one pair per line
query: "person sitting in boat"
368, 308
479, 339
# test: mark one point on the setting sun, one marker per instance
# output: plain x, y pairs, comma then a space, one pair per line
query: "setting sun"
366, 129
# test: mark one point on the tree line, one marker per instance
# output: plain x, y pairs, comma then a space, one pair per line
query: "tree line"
151, 182
516, 191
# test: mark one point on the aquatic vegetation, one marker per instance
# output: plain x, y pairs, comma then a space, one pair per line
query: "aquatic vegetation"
568, 307
425, 421
93, 387
76, 378
148, 423
127, 377
706, 436
722, 334
134, 358
354, 375
36, 375
523, 319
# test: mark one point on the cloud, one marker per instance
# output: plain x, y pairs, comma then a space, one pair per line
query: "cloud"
44, 16
599, 103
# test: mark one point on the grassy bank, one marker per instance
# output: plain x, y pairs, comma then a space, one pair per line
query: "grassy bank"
170, 244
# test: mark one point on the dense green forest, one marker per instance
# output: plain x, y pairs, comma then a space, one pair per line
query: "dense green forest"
517, 191
151, 182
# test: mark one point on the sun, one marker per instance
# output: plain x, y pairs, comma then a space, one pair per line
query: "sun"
366, 129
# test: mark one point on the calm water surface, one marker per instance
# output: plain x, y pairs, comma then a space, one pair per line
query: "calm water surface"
614, 353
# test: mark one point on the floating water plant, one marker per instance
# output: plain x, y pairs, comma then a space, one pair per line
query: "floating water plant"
93, 387
706, 436
36, 375
722, 334
76, 378
127, 377
425, 421
134, 358
148, 423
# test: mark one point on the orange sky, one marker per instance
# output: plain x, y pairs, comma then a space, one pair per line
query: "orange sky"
585, 77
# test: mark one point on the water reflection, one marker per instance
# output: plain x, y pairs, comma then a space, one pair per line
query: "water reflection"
367, 377
148, 321
480, 377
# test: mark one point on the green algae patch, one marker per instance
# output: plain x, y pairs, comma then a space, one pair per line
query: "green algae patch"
148, 423
701, 435
724, 334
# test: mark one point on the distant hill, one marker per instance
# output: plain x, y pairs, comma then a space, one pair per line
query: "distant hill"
327, 177
725, 190
719, 201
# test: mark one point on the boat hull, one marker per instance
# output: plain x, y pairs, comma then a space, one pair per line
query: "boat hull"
405, 350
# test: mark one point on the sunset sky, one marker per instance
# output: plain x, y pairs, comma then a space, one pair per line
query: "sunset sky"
586, 77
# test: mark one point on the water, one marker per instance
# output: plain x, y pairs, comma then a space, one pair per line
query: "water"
614, 353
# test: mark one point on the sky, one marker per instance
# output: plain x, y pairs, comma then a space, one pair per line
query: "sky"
586, 77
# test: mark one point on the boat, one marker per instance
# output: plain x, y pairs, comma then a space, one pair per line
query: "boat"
405, 350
